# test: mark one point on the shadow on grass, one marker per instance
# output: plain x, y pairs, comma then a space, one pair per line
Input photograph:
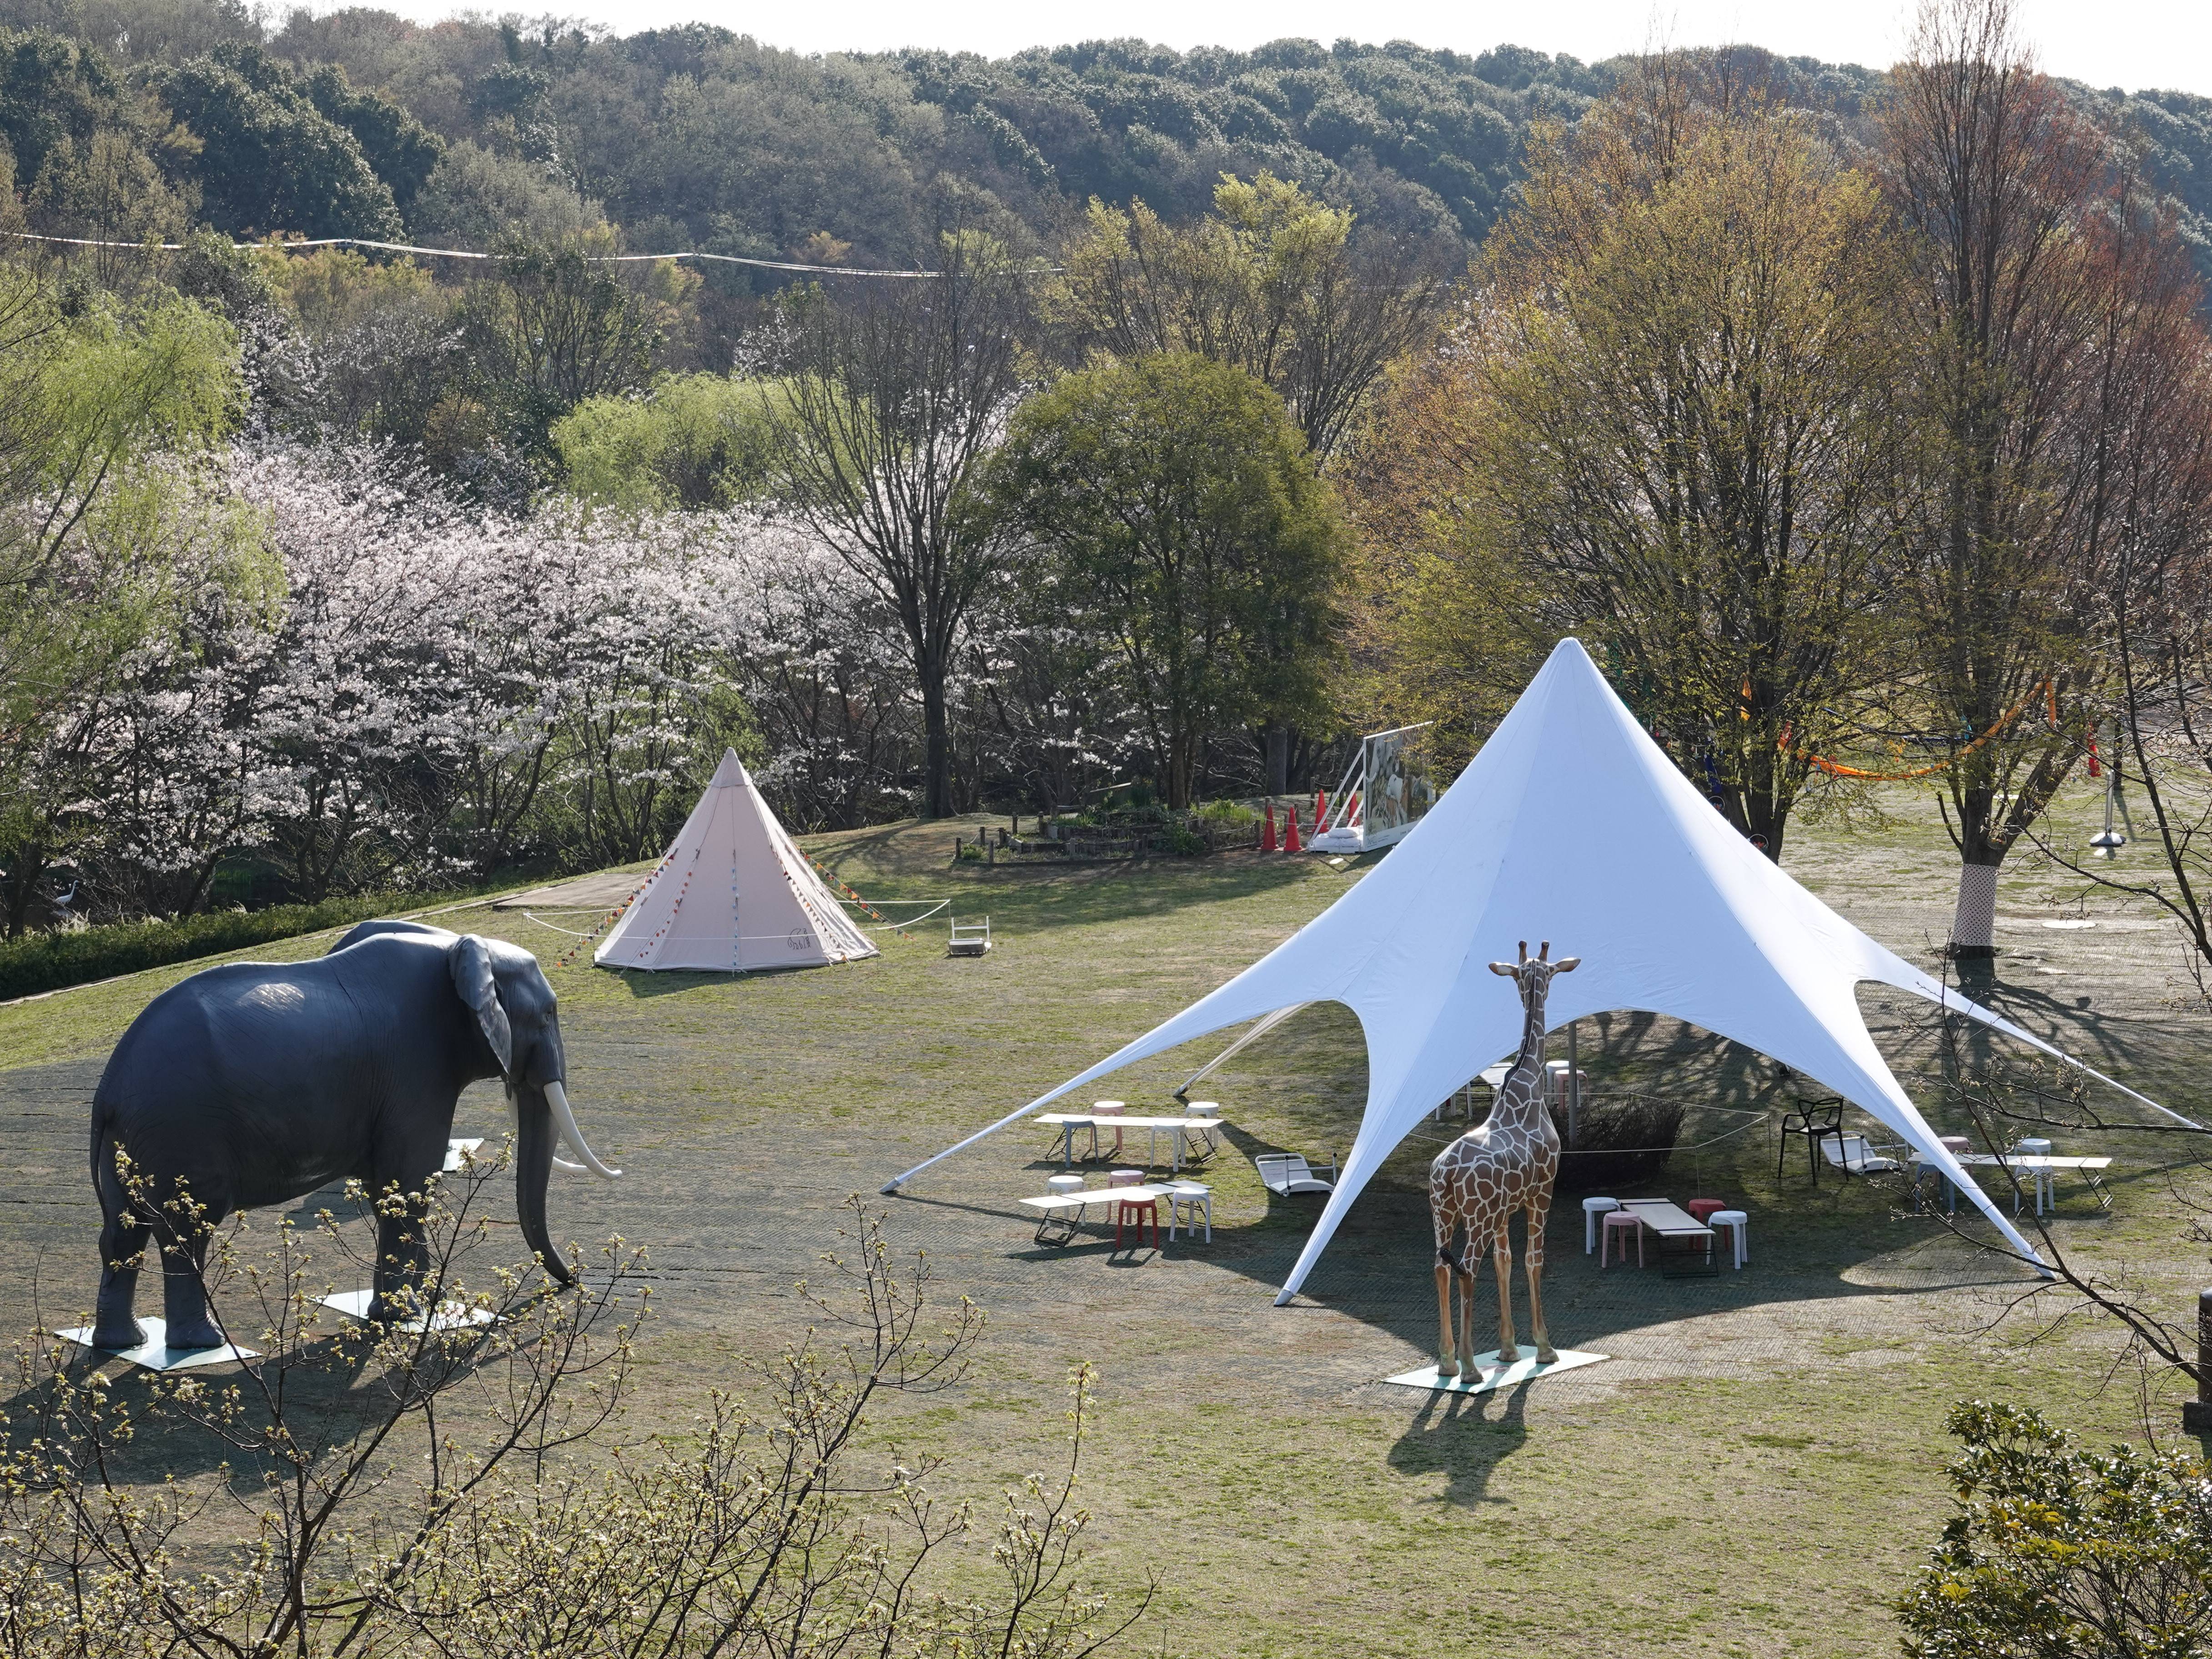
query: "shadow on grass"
1464, 1437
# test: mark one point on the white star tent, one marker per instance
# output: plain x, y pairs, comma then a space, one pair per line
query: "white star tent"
1570, 825
734, 895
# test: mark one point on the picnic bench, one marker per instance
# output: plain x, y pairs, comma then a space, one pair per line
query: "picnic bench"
1672, 1224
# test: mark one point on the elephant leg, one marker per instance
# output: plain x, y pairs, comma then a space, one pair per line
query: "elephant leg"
1501, 1252
122, 1251
184, 1291
401, 1255
1546, 1354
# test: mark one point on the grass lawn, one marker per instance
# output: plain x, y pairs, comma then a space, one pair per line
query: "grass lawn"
1756, 1470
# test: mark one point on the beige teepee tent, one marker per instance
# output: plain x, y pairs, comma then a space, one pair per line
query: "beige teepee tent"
733, 896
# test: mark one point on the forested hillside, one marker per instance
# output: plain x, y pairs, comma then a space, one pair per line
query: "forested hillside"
132, 118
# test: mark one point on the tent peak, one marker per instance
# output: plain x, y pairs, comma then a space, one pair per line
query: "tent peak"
731, 773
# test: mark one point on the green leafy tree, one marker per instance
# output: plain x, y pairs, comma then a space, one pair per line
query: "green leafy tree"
695, 441
271, 161
561, 322
399, 150
2001, 179
2057, 1552
1179, 498
1685, 376
110, 531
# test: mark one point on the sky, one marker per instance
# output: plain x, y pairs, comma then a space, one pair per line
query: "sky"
2135, 44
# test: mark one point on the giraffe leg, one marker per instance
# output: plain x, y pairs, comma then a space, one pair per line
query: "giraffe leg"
1444, 1314
1463, 1277
1502, 1255
1546, 1354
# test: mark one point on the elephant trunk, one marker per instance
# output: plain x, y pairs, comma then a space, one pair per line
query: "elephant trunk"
533, 1168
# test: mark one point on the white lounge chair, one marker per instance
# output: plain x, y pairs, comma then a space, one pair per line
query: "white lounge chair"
1854, 1156
1287, 1173
970, 939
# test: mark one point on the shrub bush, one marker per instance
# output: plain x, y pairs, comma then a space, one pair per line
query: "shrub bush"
1619, 1141
52, 961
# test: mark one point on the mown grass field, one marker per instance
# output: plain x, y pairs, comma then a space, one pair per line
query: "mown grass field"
1756, 1470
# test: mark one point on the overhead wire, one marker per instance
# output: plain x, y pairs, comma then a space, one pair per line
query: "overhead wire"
469, 253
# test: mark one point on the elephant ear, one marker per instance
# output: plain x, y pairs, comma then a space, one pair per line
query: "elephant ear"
470, 962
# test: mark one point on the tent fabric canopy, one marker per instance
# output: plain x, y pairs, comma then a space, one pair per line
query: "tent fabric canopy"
734, 895
1571, 825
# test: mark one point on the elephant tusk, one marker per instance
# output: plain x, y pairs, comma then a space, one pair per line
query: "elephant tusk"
514, 1122
557, 1098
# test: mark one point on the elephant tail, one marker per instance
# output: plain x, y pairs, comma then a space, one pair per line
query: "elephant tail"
106, 1183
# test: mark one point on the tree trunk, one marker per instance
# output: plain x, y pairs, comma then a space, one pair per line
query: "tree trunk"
1974, 919
1275, 737
936, 761
1974, 923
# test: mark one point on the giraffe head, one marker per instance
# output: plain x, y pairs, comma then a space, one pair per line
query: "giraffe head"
1533, 976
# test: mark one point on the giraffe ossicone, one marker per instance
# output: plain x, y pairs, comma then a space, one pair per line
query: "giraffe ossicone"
1505, 1164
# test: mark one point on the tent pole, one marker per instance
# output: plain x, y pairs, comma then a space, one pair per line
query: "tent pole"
890, 1188
1260, 1030
1574, 1088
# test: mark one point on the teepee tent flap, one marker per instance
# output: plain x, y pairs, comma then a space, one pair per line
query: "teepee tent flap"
1570, 825
734, 895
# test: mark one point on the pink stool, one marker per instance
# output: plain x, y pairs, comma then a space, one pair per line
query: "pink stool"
1623, 1222
1126, 1178
1704, 1209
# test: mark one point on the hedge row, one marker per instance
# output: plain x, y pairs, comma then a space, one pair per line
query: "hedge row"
49, 962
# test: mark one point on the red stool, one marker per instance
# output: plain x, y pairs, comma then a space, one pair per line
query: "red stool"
1623, 1222
1704, 1209
1135, 1211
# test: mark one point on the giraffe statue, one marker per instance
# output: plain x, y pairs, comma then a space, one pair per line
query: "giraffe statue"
1506, 1163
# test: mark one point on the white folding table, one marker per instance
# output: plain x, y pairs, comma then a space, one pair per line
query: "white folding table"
1069, 1122
2040, 1167
1054, 1206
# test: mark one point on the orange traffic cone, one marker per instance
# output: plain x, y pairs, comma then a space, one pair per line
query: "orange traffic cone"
2095, 771
1267, 831
1321, 809
1291, 843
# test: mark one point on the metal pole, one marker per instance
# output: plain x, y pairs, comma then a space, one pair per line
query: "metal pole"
2197, 1415
1574, 1087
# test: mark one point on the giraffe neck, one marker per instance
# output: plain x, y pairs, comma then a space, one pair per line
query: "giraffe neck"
1522, 1100
1531, 1035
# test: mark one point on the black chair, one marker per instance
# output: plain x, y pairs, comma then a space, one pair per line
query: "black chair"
1815, 1120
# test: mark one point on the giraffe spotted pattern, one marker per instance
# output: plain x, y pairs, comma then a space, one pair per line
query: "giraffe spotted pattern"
1505, 1164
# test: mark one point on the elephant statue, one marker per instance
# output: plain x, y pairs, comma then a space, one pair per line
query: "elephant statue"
258, 1083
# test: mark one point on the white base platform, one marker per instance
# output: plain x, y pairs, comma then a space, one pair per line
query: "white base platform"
450, 1316
459, 1152
1493, 1374
155, 1354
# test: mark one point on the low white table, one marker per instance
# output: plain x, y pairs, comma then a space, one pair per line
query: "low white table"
1054, 1207
1069, 1122
2040, 1167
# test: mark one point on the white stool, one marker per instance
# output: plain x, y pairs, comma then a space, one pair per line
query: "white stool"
1592, 1209
1738, 1226
1193, 1199
1126, 1178
1064, 1184
2045, 1189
